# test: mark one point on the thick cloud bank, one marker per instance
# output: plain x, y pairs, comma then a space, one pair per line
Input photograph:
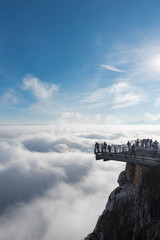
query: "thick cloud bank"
51, 187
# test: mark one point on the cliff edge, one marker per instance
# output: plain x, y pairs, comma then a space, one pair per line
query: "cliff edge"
133, 209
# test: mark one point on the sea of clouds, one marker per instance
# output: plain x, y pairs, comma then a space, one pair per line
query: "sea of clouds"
51, 187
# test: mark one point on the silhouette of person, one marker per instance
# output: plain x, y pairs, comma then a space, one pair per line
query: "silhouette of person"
133, 150
109, 148
105, 146
97, 146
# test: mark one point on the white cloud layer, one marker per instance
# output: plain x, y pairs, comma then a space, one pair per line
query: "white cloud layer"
51, 187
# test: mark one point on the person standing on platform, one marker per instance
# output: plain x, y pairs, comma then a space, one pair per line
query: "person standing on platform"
97, 146
133, 150
109, 148
128, 144
104, 146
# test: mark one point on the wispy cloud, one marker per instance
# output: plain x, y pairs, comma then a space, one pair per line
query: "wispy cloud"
118, 95
125, 95
141, 61
96, 96
141, 64
111, 68
41, 90
158, 101
152, 117
9, 98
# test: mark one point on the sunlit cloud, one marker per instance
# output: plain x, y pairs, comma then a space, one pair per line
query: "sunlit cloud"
41, 90
154, 62
142, 61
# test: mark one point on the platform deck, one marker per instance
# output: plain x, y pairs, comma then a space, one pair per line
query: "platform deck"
145, 161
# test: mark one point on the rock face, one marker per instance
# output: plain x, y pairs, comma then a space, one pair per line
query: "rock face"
133, 208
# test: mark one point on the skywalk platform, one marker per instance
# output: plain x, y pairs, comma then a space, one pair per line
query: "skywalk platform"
142, 155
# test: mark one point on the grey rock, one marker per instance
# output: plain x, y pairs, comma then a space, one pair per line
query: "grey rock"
133, 209
122, 179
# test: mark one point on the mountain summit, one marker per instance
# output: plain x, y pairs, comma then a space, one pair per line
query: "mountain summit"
133, 209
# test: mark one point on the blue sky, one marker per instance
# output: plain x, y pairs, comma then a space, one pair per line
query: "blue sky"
85, 61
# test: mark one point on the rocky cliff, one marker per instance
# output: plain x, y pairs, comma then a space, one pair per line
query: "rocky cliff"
133, 208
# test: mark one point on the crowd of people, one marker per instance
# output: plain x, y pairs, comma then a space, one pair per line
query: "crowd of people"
132, 145
104, 147
147, 143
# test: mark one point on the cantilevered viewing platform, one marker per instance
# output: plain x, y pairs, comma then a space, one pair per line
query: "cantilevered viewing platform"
137, 152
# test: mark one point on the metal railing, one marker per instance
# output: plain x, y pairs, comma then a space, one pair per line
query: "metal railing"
111, 148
